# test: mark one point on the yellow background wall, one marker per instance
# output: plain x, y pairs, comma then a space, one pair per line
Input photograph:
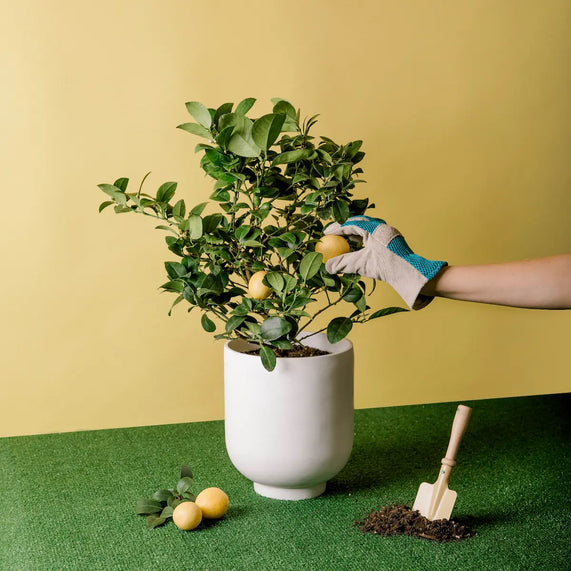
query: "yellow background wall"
465, 112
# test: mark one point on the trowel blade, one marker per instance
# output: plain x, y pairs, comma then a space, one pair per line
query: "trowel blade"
442, 508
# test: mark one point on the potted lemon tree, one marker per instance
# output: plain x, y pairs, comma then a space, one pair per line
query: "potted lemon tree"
251, 262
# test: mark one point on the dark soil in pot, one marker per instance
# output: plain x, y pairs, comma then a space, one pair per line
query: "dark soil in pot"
301, 351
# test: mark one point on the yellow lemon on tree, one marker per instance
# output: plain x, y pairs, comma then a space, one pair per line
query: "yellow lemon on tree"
256, 288
332, 245
213, 502
187, 516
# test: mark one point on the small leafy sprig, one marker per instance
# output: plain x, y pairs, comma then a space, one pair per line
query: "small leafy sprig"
160, 507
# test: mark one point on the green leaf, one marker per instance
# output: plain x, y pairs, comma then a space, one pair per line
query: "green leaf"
222, 110
207, 324
166, 191
148, 506
121, 183
163, 227
179, 209
167, 512
252, 243
340, 211
283, 106
211, 284
175, 303
266, 130
275, 280
199, 208
243, 146
268, 358
184, 485
274, 328
386, 311
173, 286
254, 328
220, 196
224, 137
290, 283
300, 302
291, 157
310, 265
196, 129
175, 270
290, 238
200, 113
245, 106
241, 142
186, 472
338, 329
174, 501
195, 226
162, 495
352, 148
154, 521
211, 222
114, 192
352, 294
233, 322
105, 204
240, 123
361, 304
242, 231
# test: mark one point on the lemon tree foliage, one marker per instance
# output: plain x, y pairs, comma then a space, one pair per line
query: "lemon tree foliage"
275, 188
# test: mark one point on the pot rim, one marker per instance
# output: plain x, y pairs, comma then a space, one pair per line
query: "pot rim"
347, 342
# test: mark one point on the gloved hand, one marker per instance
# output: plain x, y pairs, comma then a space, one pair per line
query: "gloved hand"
385, 256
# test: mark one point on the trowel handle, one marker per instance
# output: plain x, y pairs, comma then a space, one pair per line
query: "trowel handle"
458, 428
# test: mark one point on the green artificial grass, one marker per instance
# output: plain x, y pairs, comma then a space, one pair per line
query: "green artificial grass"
68, 500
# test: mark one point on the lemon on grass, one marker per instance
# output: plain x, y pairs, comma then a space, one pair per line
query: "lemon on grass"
213, 502
187, 516
332, 245
256, 288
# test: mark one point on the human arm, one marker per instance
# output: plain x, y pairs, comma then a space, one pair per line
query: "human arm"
385, 255
540, 283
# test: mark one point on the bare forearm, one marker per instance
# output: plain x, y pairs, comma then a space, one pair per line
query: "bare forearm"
542, 283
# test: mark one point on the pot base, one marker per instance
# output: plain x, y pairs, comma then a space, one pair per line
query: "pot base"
289, 493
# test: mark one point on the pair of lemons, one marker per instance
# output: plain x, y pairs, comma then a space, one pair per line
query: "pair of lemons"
211, 503
329, 246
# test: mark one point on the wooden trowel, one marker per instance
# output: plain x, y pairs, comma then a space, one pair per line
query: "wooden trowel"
436, 501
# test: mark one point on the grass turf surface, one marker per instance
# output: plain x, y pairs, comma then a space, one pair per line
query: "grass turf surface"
68, 500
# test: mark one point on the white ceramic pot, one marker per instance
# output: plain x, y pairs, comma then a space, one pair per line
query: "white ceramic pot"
289, 430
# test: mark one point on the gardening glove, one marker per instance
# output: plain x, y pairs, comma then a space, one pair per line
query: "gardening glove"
385, 256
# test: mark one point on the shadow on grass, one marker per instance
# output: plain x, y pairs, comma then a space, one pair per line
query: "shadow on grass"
233, 513
485, 520
405, 450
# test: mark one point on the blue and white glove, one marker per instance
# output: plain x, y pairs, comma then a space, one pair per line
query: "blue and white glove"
385, 256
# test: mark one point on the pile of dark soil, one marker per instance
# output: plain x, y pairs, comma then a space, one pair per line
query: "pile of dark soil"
301, 351
401, 520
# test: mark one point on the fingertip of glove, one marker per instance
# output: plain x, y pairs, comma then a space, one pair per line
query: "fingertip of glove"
333, 228
330, 266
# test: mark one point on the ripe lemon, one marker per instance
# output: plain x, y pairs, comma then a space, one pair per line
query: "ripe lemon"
213, 502
187, 516
332, 245
256, 288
